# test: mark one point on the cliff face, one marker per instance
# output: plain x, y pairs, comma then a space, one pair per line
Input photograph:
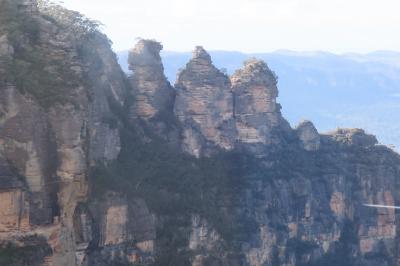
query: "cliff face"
151, 91
308, 135
87, 176
257, 113
55, 120
224, 112
204, 105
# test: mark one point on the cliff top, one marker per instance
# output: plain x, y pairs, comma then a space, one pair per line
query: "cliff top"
255, 72
200, 70
200, 53
150, 46
306, 125
145, 53
354, 136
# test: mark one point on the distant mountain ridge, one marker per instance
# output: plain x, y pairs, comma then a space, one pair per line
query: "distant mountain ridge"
348, 90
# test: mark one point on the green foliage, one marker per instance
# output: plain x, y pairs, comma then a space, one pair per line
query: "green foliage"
38, 68
175, 186
170, 180
48, 80
342, 254
111, 121
71, 20
31, 69
8, 13
32, 253
300, 247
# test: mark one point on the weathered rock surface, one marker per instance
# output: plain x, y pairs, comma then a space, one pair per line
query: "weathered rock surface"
353, 136
151, 90
50, 143
308, 136
217, 111
257, 114
204, 105
79, 187
127, 231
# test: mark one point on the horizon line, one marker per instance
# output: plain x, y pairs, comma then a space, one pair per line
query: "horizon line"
277, 51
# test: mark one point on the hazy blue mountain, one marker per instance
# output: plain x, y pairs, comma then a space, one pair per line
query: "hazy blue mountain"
349, 90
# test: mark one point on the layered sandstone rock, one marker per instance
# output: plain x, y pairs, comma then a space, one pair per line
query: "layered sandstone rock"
13, 214
216, 111
127, 231
50, 137
206, 244
115, 225
204, 105
29, 149
289, 207
151, 90
257, 114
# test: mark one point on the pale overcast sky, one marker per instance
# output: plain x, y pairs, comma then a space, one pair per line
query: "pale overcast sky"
250, 25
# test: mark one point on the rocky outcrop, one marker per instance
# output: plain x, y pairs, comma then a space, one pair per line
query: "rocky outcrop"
257, 114
204, 106
83, 181
221, 112
152, 92
127, 231
353, 136
308, 136
14, 214
203, 237
53, 130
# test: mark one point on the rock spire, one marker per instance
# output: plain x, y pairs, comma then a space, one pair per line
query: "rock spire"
204, 105
152, 91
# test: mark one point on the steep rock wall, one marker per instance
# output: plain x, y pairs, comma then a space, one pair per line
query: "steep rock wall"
56, 118
204, 105
84, 182
257, 113
151, 90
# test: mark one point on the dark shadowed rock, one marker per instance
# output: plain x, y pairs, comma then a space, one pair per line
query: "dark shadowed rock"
308, 135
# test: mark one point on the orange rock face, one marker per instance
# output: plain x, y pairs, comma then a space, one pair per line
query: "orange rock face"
151, 90
204, 105
13, 212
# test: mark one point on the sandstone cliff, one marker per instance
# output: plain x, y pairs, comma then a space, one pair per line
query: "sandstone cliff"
216, 110
88, 176
257, 113
204, 105
55, 119
152, 92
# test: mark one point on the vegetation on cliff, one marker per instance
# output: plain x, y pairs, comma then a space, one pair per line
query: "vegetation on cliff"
260, 203
41, 64
32, 252
175, 186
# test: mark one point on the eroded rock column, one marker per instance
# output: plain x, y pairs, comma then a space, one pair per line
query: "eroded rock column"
204, 106
152, 92
256, 111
